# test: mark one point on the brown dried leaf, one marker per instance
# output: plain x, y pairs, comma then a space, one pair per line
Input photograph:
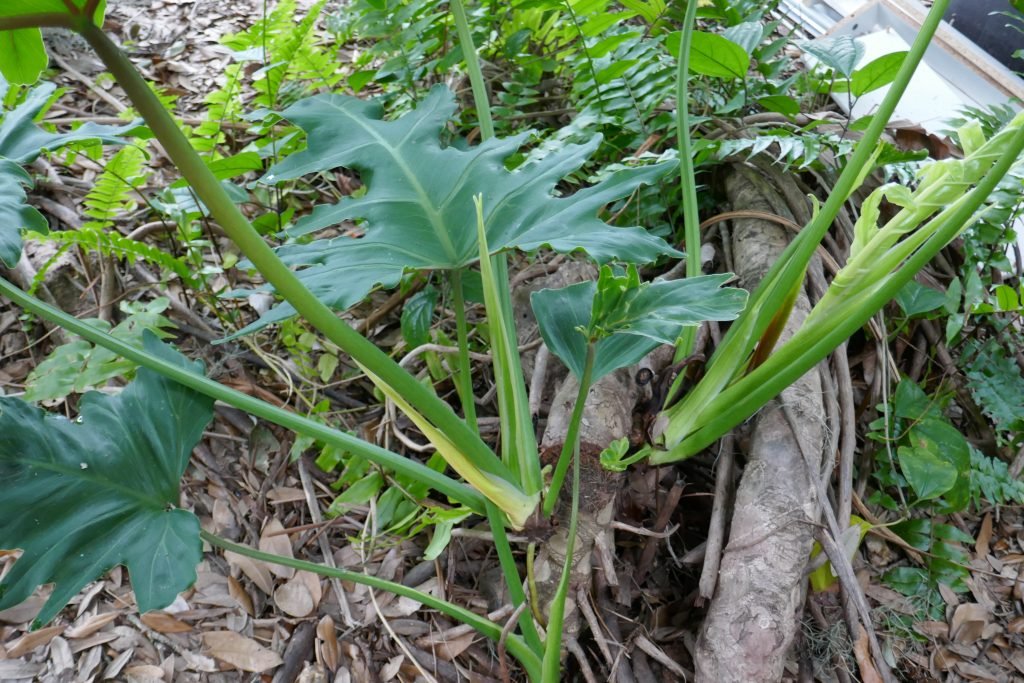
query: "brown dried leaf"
933, 629
453, 647
165, 623
328, 648
274, 540
1016, 625
243, 599
984, 536
91, 625
24, 612
258, 572
144, 673
968, 623
285, 494
861, 652
30, 641
293, 598
240, 652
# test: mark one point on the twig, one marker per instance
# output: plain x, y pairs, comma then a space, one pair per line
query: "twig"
840, 562
848, 435
573, 646
506, 630
719, 513
590, 616
659, 656
325, 546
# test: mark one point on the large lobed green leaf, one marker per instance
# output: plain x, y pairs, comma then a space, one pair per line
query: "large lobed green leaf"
81, 497
418, 206
21, 141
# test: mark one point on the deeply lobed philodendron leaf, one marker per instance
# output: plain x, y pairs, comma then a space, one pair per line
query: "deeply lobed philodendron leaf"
626, 318
21, 141
80, 497
418, 206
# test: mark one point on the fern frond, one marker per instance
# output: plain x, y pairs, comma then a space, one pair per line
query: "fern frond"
113, 194
110, 243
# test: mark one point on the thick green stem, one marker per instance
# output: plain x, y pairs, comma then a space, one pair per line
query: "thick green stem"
816, 340
687, 177
515, 644
241, 232
551, 664
734, 351
476, 76
208, 387
512, 578
572, 433
465, 383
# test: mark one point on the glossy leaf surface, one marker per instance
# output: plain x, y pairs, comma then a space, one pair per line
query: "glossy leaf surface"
82, 497
418, 208
632, 325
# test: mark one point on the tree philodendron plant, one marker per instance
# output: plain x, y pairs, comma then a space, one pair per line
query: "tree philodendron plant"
80, 497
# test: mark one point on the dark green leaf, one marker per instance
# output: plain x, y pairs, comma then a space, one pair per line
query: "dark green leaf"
21, 141
916, 299
929, 475
747, 35
655, 314
780, 104
82, 497
15, 213
876, 74
714, 55
419, 207
417, 315
841, 53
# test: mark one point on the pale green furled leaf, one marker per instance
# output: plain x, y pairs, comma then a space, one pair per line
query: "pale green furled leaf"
418, 208
841, 53
649, 315
80, 497
876, 74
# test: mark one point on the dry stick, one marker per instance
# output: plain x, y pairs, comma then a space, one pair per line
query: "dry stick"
659, 656
537, 380
325, 546
719, 513
828, 392
583, 602
90, 84
665, 511
848, 435
840, 562
510, 624
573, 646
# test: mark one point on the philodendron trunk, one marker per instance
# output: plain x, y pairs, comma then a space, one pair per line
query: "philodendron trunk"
755, 612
